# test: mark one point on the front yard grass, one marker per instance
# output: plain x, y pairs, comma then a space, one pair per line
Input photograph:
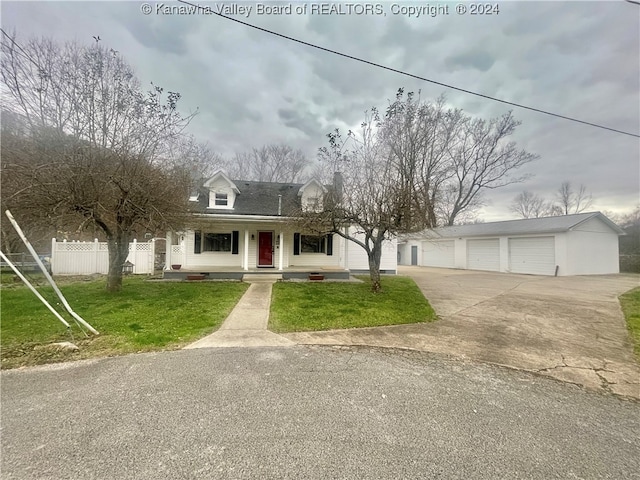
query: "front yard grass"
630, 303
144, 316
298, 307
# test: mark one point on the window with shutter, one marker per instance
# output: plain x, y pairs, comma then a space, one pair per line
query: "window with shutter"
197, 244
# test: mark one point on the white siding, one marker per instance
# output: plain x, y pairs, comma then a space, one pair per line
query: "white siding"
534, 255
483, 254
593, 225
220, 185
312, 197
592, 253
404, 254
438, 253
358, 260
211, 259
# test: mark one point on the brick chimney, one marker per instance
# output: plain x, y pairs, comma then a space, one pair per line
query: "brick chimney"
338, 185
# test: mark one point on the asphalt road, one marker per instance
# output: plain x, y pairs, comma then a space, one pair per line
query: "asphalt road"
308, 412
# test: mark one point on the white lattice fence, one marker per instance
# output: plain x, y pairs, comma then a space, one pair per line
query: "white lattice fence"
86, 258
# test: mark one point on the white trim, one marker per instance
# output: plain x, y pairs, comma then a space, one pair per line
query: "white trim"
313, 180
244, 218
245, 256
220, 173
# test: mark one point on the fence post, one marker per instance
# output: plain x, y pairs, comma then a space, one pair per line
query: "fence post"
152, 256
167, 256
53, 256
134, 256
95, 254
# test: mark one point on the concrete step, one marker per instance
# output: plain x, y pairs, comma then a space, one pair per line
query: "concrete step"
261, 277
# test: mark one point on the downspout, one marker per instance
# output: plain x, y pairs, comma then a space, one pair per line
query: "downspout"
279, 205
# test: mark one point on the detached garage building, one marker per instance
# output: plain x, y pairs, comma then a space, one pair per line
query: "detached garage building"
581, 244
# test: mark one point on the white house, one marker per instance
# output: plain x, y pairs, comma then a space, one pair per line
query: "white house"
581, 244
243, 226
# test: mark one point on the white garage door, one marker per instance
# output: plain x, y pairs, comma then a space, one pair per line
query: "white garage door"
536, 255
483, 254
439, 253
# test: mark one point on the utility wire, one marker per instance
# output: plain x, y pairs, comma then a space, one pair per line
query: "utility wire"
361, 60
20, 48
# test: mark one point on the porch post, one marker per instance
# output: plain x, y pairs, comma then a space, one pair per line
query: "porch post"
346, 250
245, 256
281, 251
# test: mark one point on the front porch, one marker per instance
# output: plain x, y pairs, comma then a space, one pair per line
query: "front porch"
234, 273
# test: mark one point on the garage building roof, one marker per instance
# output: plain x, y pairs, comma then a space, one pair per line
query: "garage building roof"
525, 226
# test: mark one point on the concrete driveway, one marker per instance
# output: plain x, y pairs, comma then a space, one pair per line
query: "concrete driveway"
570, 328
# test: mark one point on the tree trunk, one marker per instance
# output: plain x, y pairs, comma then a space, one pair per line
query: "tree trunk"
374, 266
118, 253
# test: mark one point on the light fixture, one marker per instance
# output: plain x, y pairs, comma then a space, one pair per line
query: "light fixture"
127, 268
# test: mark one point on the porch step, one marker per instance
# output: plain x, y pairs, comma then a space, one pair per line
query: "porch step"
261, 277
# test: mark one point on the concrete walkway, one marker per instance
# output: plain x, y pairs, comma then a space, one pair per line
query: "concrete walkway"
246, 325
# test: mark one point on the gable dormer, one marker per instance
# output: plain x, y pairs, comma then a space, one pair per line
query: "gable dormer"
312, 196
222, 191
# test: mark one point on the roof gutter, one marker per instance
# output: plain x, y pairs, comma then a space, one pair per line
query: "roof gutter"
244, 218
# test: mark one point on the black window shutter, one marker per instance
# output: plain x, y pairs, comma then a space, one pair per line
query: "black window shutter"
330, 244
234, 242
296, 244
197, 246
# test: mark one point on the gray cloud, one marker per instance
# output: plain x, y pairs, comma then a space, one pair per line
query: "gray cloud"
579, 59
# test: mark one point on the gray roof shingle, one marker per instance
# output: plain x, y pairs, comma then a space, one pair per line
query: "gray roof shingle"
526, 226
255, 198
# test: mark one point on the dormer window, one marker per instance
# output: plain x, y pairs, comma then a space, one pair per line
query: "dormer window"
311, 196
222, 191
221, 200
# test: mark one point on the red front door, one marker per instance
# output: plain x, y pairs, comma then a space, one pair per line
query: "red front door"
265, 249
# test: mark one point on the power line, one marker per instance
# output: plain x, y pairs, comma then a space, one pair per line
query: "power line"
384, 67
20, 48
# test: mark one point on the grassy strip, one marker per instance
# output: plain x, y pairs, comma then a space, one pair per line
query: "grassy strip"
630, 302
144, 316
298, 307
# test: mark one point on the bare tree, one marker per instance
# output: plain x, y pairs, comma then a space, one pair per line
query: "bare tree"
269, 163
419, 135
374, 204
530, 205
99, 142
447, 158
570, 201
482, 160
419, 162
198, 159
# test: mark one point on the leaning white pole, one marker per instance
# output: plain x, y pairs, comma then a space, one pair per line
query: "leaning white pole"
37, 294
46, 274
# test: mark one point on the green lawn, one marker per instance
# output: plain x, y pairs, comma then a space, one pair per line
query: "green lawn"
630, 302
144, 316
297, 307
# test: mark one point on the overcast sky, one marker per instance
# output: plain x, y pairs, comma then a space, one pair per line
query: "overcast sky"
579, 59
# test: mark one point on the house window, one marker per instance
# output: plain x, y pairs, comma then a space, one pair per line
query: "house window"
312, 243
221, 200
216, 242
